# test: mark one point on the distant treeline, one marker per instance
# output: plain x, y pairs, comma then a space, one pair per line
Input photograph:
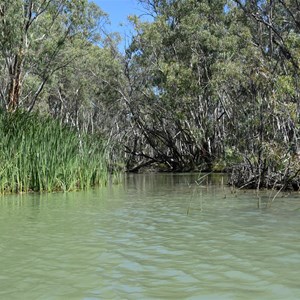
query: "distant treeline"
207, 85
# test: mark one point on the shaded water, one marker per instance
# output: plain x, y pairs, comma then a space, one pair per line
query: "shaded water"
136, 241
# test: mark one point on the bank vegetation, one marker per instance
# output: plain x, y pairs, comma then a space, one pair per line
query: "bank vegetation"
203, 85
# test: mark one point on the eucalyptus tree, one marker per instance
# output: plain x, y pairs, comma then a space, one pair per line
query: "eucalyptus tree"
176, 111
215, 80
83, 93
279, 21
37, 38
269, 91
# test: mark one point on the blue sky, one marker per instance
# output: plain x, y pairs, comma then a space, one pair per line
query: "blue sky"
118, 10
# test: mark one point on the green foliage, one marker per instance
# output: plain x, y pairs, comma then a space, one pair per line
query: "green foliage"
212, 76
285, 85
38, 38
40, 154
205, 85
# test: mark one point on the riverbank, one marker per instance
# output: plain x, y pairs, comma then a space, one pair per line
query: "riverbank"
41, 154
245, 175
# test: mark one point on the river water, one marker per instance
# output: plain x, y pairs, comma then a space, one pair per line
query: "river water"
154, 237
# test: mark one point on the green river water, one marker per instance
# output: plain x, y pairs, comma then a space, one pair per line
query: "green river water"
136, 241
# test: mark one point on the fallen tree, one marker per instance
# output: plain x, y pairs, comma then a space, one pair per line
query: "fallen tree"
254, 176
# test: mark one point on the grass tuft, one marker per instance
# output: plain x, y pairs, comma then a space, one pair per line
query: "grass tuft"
39, 154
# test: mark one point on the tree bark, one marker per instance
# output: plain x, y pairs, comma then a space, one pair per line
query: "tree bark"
15, 82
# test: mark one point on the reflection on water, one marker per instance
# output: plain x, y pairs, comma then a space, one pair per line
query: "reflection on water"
136, 241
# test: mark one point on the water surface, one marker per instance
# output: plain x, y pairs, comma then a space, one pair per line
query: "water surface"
137, 241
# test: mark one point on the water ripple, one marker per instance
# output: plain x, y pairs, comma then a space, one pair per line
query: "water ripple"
138, 243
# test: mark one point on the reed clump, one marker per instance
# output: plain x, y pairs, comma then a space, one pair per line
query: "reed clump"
40, 154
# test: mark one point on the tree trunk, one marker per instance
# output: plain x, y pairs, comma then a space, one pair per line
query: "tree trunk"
15, 83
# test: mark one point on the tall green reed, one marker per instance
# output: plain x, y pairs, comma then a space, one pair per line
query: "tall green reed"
37, 153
